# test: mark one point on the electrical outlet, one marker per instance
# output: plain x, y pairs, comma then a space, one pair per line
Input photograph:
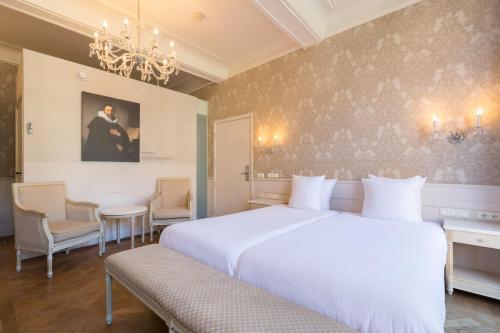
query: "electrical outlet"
261, 175
483, 215
273, 175
488, 216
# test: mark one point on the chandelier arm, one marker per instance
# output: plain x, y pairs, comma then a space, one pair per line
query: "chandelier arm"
119, 55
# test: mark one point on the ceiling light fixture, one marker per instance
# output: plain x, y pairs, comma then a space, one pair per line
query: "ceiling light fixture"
124, 56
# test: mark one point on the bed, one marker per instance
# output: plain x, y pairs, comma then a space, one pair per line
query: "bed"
373, 275
220, 241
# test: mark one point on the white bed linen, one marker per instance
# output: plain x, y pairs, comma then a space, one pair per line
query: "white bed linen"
376, 276
219, 241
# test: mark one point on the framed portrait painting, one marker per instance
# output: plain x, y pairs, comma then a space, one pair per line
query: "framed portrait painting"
110, 129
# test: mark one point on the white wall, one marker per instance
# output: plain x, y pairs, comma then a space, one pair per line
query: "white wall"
52, 103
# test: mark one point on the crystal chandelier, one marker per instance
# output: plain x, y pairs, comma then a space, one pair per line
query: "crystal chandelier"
122, 56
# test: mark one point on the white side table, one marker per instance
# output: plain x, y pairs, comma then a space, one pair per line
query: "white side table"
264, 202
119, 213
477, 233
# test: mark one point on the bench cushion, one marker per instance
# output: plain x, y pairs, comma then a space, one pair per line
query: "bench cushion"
203, 299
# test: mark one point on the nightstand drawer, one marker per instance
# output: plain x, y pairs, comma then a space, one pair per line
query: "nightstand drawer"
476, 239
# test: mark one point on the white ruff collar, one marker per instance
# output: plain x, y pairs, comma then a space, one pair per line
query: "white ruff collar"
105, 117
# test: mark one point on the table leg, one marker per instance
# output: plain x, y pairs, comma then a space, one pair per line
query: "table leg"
132, 236
449, 269
142, 222
103, 235
117, 221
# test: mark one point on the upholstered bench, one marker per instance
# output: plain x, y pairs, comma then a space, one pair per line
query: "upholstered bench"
193, 297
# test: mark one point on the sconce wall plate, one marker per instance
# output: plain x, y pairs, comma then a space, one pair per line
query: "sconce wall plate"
456, 137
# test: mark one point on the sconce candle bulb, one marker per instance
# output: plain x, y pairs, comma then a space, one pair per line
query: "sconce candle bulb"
479, 114
435, 123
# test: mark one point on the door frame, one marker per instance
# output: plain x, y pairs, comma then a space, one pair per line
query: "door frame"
250, 176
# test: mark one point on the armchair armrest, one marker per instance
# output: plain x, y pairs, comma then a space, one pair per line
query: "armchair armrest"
87, 204
81, 211
189, 199
31, 227
31, 212
154, 202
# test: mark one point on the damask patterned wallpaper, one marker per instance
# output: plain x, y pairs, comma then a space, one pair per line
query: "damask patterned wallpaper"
362, 101
7, 119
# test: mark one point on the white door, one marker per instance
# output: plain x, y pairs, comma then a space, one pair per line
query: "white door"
233, 156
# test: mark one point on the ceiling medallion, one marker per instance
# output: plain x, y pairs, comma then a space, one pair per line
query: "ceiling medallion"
121, 55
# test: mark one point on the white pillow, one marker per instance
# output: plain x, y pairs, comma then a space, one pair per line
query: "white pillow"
393, 199
326, 193
306, 192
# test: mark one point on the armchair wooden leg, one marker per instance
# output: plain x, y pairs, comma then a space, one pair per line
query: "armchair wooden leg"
49, 266
18, 264
109, 300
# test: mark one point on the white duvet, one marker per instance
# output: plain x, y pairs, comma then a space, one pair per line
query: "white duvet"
220, 241
373, 275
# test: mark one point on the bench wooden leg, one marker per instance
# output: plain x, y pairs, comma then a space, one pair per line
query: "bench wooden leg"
109, 300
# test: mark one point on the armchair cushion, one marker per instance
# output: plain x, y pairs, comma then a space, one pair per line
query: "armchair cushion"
171, 213
47, 198
71, 229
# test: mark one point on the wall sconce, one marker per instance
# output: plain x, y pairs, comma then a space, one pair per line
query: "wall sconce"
456, 136
270, 147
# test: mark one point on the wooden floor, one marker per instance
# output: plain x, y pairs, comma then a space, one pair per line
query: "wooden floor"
73, 300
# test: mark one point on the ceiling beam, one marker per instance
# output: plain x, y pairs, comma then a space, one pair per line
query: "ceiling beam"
287, 16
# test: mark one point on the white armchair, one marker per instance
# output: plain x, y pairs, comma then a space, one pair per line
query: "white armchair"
170, 204
47, 222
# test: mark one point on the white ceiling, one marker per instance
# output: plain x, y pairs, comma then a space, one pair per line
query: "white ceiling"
230, 27
234, 36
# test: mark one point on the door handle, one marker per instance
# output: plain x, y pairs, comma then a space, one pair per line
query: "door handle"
246, 173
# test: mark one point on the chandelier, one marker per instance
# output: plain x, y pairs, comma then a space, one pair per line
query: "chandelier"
121, 55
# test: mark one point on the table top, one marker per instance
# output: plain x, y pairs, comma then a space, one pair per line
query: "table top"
482, 227
123, 210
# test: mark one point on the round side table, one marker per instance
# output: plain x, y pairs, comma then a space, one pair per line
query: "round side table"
119, 213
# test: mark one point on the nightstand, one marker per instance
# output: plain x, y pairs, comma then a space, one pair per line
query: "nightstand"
263, 202
477, 233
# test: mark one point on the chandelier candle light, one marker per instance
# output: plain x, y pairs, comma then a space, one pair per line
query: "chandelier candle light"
125, 56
